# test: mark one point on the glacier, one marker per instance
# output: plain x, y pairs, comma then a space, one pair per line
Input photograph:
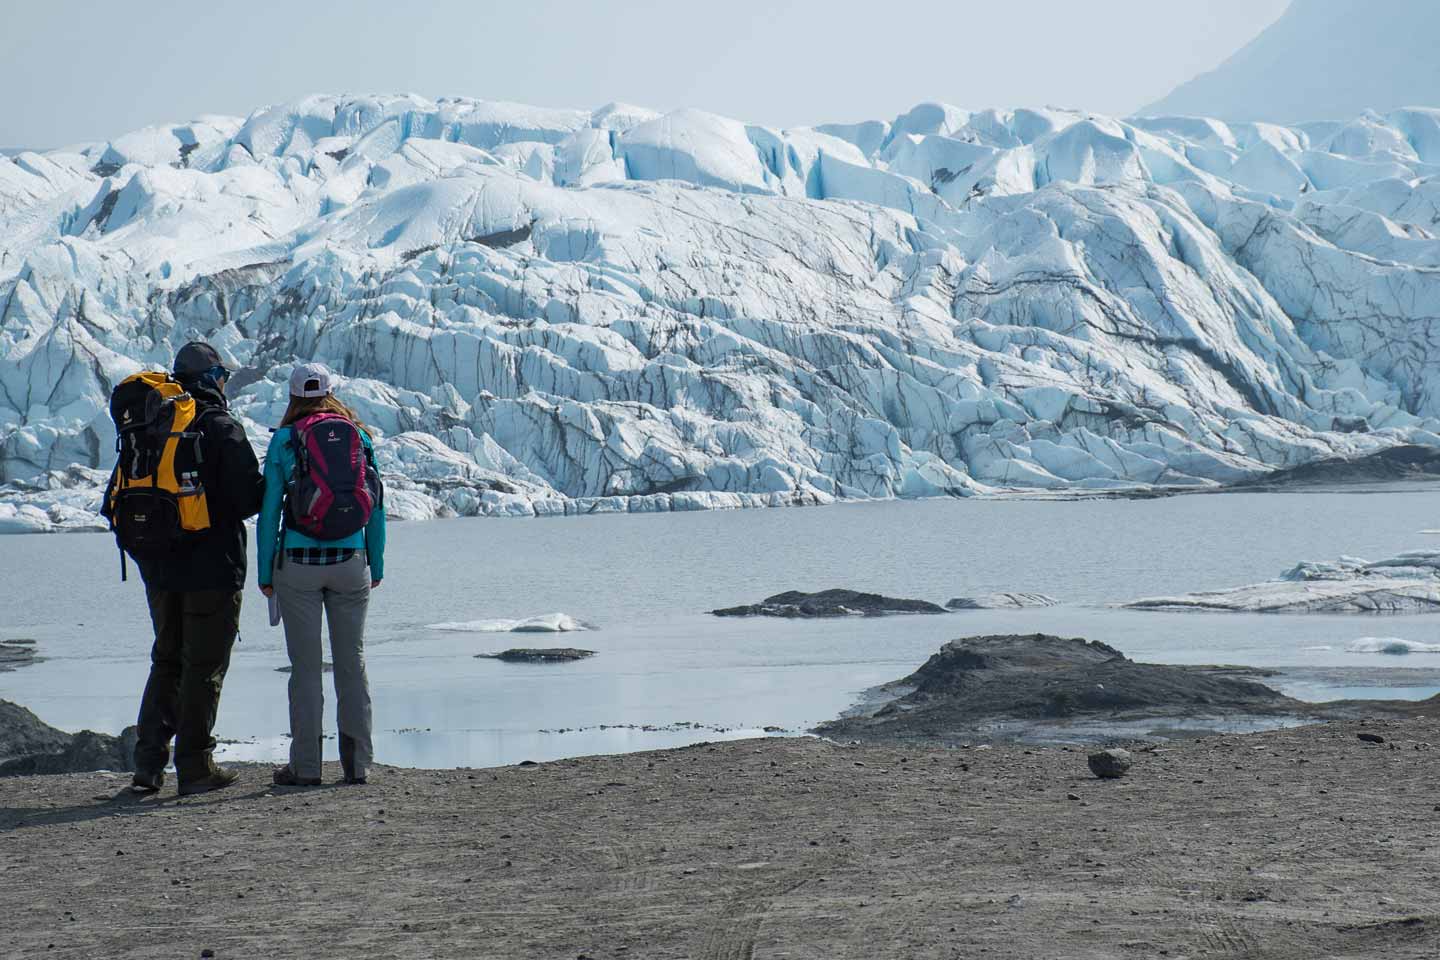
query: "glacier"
543, 311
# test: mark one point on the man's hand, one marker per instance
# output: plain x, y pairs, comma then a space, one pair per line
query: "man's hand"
374, 584
268, 590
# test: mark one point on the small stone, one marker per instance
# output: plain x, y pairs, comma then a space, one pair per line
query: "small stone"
1110, 764
1072, 796
1370, 737
207, 953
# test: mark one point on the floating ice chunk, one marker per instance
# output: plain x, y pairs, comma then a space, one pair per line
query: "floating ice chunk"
23, 518
545, 623
1002, 601
1391, 645
1405, 584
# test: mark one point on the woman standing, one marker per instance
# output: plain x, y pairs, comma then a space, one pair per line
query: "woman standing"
322, 548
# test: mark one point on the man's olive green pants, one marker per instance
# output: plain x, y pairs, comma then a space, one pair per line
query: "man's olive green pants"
194, 633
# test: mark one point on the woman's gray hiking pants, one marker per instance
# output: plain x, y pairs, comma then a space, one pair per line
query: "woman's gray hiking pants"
342, 591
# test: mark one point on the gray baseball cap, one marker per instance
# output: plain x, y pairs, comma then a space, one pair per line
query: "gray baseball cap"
311, 380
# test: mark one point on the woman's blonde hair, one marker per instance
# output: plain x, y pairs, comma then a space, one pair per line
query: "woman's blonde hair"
305, 406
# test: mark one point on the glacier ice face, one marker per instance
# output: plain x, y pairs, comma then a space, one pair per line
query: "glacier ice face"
543, 311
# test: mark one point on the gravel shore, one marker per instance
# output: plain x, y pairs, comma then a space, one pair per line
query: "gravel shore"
1304, 843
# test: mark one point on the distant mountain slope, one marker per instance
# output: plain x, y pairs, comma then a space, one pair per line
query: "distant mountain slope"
1323, 60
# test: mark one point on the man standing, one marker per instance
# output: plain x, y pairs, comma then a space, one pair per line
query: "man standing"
194, 593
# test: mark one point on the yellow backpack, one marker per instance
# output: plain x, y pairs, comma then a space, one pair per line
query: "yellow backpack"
155, 498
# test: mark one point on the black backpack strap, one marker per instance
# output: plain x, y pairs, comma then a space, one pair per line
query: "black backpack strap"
111, 515
198, 432
297, 450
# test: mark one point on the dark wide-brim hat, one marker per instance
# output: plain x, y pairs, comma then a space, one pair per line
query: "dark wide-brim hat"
195, 358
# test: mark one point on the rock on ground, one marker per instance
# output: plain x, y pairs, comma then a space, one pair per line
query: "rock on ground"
30, 746
22, 733
1042, 688
1110, 764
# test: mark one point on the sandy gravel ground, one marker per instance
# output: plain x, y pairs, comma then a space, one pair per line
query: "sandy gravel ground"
1300, 844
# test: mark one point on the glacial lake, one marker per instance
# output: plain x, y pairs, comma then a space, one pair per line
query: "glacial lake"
662, 663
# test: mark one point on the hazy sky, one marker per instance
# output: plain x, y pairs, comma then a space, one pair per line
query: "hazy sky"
73, 70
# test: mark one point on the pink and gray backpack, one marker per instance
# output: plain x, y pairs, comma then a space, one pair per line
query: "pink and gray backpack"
336, 485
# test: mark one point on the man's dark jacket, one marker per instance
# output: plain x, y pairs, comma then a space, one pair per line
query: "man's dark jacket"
234, 488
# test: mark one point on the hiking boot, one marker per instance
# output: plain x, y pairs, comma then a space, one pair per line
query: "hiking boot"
286, 777
347, 760
145, 781
217, 779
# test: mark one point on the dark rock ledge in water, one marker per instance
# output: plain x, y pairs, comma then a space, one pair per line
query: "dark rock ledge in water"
15, 654
1040, 687
829, 603
28, 745
1401, 463
545, 655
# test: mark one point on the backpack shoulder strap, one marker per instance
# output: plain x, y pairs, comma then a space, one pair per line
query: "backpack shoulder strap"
297, 447
195, 429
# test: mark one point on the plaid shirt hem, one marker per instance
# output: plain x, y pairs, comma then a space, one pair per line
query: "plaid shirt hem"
320, 556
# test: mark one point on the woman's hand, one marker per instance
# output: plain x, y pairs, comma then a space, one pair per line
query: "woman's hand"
268, 590
374, 584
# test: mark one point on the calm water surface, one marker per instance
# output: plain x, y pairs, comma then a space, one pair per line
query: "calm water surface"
647, 580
